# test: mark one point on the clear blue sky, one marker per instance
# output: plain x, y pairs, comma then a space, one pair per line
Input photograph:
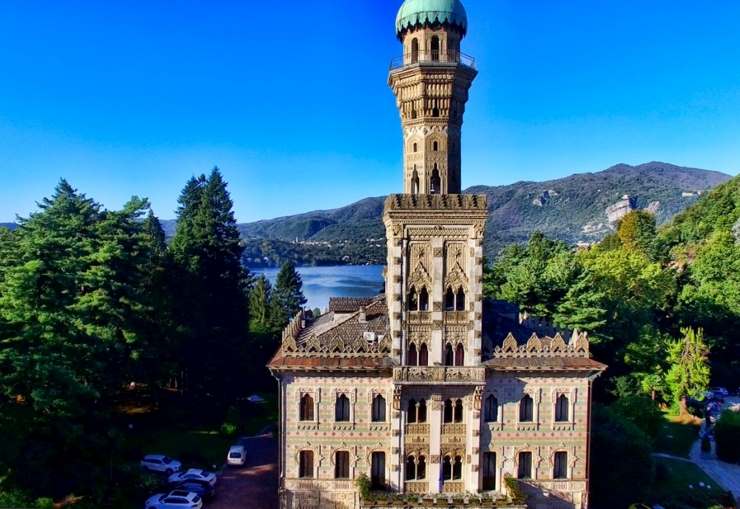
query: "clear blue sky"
290, 99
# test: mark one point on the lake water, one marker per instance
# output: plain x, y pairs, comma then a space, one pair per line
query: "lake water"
321, 283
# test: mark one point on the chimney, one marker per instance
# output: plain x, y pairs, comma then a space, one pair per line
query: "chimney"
362, 317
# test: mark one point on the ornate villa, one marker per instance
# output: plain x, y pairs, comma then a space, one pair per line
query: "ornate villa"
429, 390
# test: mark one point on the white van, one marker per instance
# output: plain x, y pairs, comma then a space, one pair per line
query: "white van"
237, 455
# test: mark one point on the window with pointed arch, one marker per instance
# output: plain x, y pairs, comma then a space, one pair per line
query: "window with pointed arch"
305, 464
447, 468
460, 300
410, 468
435, 48
457, 469
341, 409
423, 299
413, 301
449, 299
562, 408
421, 415
560, 465
435, 186
423, 355
435, 146
449, 355
448, 411
458, 410
378, 410
305, 410
459, 355
414, 50
341, 465
411, 412
490, 409
411, 357
526, 409
415, 182
421, 468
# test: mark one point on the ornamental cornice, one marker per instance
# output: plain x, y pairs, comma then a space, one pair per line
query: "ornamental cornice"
578, 346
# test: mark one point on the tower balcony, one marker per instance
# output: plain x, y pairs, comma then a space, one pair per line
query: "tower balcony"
441, 58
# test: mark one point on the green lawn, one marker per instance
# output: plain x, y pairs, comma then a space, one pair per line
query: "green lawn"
671, 487
676, 436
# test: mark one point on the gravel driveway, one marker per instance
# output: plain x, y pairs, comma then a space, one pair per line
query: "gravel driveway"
255, 485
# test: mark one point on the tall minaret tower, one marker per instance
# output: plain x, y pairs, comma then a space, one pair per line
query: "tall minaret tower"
431, 82
434, 276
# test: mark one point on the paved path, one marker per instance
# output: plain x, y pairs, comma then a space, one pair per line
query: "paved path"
255, 485
726, 475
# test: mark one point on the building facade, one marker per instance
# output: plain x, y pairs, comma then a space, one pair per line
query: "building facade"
428, 389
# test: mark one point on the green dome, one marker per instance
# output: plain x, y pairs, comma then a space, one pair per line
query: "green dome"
418, 12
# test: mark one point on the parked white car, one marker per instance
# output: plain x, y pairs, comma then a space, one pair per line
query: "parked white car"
237, 455
161, 463
176, 499
193, 474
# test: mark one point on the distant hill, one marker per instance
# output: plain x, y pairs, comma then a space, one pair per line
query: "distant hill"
9, 226
574, 209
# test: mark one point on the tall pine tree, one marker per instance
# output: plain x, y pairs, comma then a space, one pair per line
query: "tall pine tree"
287, 296
211, 290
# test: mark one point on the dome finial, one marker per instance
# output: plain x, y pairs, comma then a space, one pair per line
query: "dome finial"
420, 12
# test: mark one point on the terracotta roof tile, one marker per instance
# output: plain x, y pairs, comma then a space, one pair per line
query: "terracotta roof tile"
545, 363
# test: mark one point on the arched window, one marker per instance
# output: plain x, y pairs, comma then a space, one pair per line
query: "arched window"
411, 357
524, 468
341, 465
561, 408
447, 415
377, 470
435, 49
415, 183
460, 300
378, 411
411, 414
449, 358
413, 302
489, 471
341, 409
458, 410
447, 468
457, 468
423, 355
410, 468
422, 411
305, 464
423, 299
560, 465
306, 408
449, 300
421, 468
435, 183
435, 146
526, 407
459, 355
490, 410
416, 147
414, 50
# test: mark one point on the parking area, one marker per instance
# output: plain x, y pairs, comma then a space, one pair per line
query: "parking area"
255, 485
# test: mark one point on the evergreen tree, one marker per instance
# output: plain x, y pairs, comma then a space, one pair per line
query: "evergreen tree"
70, 301
211, 289
259, 302
288, 294
689, 373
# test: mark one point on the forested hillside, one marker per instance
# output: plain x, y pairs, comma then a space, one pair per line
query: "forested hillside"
571, 209
662, 308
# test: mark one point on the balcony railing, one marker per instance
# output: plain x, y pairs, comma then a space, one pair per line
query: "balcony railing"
433, 58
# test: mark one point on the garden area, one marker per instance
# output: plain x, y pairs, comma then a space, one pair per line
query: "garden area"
677, 434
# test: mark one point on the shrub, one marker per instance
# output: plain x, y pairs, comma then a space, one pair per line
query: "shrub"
14, 498
363, 486
640, 411
228, 429
622, 464
727, 436
514, 491
44, 503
